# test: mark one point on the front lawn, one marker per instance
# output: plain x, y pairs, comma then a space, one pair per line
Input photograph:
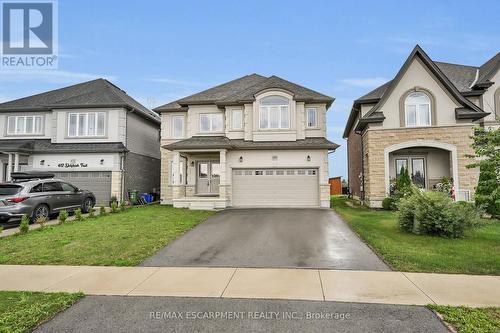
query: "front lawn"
478, 253
120, 239
21, 311
468, 320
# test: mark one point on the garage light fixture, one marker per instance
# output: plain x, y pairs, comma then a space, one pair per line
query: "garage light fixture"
102, 161
308, 158
42, 162
241, 159
275, 158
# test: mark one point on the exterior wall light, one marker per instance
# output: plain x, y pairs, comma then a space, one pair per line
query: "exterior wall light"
102, 161
42, 162
241, 159
275, 158
308, 158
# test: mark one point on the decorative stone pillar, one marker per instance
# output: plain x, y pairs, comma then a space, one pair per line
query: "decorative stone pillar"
223, 175
9, 167
16, 162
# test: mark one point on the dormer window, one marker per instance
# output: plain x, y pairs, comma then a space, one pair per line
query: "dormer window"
274, 113
417, 109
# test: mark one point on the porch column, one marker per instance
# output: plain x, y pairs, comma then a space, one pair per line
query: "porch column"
16, 162
223, 177
9, 167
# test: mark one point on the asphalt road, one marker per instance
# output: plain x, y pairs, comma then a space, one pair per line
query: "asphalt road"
170, 314
312, 238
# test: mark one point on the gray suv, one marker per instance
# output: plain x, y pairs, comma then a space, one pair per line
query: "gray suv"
40, 195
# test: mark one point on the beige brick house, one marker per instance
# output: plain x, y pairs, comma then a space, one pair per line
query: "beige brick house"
255, 141
421, 120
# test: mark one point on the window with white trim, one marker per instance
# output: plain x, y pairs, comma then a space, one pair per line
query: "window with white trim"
182, 172
417, 109
211, 122
24, 125
237, 119
83, 124
312, 117
274, 113
177, 127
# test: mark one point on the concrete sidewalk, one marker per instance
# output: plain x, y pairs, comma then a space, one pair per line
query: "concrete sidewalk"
263, 283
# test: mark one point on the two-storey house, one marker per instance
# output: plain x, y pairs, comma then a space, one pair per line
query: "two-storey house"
91, 134
252, 142
421, 120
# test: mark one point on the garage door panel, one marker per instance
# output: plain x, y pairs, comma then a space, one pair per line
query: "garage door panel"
98, 182
275, 187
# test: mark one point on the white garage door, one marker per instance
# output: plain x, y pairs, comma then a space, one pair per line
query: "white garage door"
275, 188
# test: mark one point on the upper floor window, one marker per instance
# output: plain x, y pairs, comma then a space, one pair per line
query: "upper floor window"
274, 112
418, 109
211, 122
237, 119
177, 127
86, 124
23, 125
312, 117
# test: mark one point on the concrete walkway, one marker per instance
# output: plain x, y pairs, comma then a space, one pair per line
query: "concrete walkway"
264, 283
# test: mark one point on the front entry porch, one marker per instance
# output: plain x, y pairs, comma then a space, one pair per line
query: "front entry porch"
198, 179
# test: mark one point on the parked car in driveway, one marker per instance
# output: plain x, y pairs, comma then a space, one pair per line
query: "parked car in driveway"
39, 195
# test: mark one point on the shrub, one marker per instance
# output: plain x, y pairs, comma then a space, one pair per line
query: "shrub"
403, 187
445, 185
78, 214
113, 199
91, 212
389, 203
488, 189
123, 205
102, 211
114, 207
63, 216
24, 226
41, 221
434, 213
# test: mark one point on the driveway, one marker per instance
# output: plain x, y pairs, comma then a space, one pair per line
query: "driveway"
313, 238
177, 314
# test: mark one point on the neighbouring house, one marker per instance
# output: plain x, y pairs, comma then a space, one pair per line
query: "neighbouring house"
335, 185
91, 134
252, 142
421, 120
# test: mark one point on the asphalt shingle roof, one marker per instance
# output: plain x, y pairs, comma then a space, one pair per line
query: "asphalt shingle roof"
243, 90
489, 68
222, 142
95, 93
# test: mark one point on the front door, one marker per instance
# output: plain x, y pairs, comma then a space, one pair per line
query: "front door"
208, 178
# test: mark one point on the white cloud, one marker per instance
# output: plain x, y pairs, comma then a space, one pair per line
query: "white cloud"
50, 76
365, 82
175, 82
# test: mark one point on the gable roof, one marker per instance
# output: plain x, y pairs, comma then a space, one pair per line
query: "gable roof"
489, 69
457, 79
243, 90
95, 93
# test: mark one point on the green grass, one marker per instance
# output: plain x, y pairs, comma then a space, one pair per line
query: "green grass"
22, 311
468, 320
121, 239
477, 253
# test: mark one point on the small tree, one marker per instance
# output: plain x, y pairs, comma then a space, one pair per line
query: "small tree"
102, 211
24, 226
91, 212
41, 221
63, 216
123, 205
404, 186
114, 207
486, 145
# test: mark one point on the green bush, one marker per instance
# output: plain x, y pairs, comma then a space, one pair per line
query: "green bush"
404, 186
488, 189
102, 211
41, 221
63, 216
389, 203
78, 214
91, 212
24, 226
123, 205
114, 207
434, 213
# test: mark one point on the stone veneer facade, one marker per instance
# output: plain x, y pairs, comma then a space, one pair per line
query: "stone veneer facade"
376, 140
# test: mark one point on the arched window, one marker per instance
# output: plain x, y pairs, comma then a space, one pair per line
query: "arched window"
417, 109
274, 112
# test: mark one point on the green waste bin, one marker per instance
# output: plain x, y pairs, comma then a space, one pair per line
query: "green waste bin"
133, 195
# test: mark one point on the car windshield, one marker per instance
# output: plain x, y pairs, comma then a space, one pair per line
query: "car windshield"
9, 189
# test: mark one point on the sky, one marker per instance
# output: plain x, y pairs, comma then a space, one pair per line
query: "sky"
159, 51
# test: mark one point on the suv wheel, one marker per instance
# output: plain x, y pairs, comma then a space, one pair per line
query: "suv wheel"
88, 203
41, 211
